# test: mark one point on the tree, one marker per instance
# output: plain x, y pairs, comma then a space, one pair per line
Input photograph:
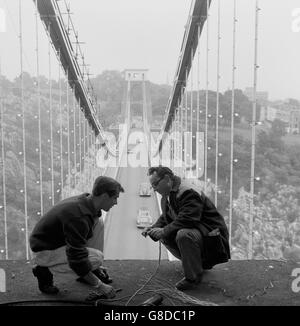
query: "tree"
276, 222
278, 128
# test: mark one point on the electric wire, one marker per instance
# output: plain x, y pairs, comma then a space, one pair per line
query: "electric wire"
149, 279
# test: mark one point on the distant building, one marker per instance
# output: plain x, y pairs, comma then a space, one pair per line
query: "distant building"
262, 97
294, 125
283, 111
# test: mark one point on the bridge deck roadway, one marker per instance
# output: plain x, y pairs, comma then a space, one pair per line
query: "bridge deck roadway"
123, 239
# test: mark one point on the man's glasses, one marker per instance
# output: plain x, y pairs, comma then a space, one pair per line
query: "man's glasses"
156, 183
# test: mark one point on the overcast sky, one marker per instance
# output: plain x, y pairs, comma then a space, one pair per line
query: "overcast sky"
122, 34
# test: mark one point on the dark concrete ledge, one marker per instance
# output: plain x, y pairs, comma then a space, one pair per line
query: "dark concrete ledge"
236, 283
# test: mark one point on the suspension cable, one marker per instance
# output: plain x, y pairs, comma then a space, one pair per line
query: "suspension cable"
172, 144
177, 111
218, 106
250, 250
178, 138
94, 156
23, 133
232, 122
68, 136
51, 115
181, 131
198, 101
84, 153
3, 177
191, 113
92, 152
61, 129
90, 149
39, 113
80, 147
206, 105
10, 16
87, 153
186, 122
74, 135
174, 138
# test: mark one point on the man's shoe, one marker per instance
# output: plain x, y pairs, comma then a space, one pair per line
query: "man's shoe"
186, 284
207, 267
45, 280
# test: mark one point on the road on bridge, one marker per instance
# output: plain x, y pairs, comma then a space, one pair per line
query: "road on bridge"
123, 240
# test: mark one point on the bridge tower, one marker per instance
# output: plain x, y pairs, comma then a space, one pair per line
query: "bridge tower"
136, 77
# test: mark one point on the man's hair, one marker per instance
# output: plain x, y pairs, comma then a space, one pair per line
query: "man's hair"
106, 185
161, 171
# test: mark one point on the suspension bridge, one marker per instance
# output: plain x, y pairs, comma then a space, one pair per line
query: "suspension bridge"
54, 142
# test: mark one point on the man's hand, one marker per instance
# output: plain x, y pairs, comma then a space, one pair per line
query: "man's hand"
146, 231
102, 289
91, 279
106, 290
156, 233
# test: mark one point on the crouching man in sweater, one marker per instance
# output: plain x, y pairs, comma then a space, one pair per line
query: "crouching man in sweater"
61, 236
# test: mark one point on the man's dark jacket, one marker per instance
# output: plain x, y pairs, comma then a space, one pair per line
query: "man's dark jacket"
189, 208
69, 223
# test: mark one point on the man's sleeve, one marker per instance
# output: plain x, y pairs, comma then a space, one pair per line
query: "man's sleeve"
190, 212
76, 231
160, 222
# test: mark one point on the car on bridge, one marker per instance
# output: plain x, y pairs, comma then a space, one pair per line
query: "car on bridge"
144, 218
145, 190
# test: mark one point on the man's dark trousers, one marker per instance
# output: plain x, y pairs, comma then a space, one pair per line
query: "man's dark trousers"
187, 246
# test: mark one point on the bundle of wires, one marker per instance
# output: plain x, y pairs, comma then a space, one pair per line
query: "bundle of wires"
159, 286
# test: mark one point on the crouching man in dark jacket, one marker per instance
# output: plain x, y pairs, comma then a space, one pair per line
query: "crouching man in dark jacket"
190, 226
61, 237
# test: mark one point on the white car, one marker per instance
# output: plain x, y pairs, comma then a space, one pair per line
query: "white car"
144, 218
145, 190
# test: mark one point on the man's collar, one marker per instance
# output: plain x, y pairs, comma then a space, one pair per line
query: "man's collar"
92, 206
